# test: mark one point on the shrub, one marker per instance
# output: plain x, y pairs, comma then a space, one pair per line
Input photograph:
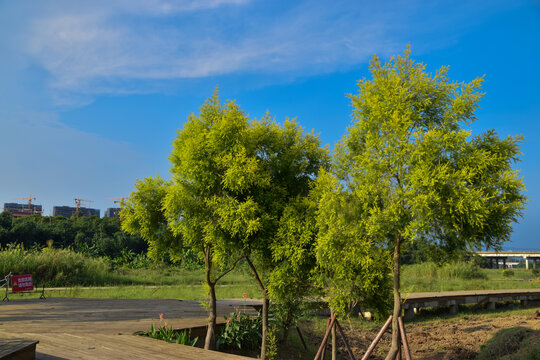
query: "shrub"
272, 344
518, 343
167, 333
241, 332
507, 273
536, 272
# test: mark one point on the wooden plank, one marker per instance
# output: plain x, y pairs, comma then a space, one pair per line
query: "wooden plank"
129, 347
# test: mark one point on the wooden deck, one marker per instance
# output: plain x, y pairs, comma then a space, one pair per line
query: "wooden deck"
57, 346
102, 328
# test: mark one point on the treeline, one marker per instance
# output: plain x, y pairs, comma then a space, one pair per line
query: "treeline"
92, 235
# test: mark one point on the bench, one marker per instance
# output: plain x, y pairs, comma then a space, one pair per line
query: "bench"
18, 349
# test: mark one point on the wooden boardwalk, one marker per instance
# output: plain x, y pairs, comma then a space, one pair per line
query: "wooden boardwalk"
102, 328
453, 299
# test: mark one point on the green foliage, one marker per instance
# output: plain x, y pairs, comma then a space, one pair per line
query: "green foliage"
352, 268
272, 344
518, 343
142, 214
536, 272
6, 220
453, 270
508, 272
88, 235
241, 332
213, 164
128, 258
167, 333
55, 267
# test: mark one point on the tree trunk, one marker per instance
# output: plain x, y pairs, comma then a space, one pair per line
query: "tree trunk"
286, 326
397, 304
210, 341
266, 303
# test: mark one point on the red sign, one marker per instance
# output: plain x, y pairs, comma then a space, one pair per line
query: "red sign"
22, 283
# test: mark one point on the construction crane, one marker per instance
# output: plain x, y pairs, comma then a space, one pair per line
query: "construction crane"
78, 203
29, 198
117, 200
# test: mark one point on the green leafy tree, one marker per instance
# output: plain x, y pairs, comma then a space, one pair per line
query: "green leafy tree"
232, 180
6, 220
409, 168
290, 160
213, 164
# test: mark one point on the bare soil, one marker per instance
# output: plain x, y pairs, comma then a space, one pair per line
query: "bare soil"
449, 339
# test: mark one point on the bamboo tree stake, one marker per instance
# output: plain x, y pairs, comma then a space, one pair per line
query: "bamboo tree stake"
323, 354
349, 351
334, 340
301, 337
377, 339
323, 345
404, 339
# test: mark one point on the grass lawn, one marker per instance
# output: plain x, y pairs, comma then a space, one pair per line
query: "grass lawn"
166, 282
174, 283
417, 279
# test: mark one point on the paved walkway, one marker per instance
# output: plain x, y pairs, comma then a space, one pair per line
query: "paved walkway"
69, 328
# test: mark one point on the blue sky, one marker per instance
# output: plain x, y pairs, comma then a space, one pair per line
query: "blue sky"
92, 93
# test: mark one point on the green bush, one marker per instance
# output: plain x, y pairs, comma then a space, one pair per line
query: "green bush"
518, 343
536, 272
241, 332
167, 333
507, 273
54, 267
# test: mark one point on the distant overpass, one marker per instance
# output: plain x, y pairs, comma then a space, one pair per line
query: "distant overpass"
504, 255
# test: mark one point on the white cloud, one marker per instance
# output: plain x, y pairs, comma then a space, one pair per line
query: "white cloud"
100, 46
84, 48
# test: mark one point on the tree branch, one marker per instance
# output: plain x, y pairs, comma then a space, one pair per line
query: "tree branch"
254, 271
229, 269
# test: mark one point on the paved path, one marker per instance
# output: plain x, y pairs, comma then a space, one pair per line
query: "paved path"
102, 328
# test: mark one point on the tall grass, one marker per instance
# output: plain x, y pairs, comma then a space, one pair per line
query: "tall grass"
65, 268
450, 271
55, 267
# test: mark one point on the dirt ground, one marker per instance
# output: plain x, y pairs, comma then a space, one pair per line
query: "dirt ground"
450, 339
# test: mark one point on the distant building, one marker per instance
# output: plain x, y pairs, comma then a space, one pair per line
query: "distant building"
68, 211
113, 213
19, 210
